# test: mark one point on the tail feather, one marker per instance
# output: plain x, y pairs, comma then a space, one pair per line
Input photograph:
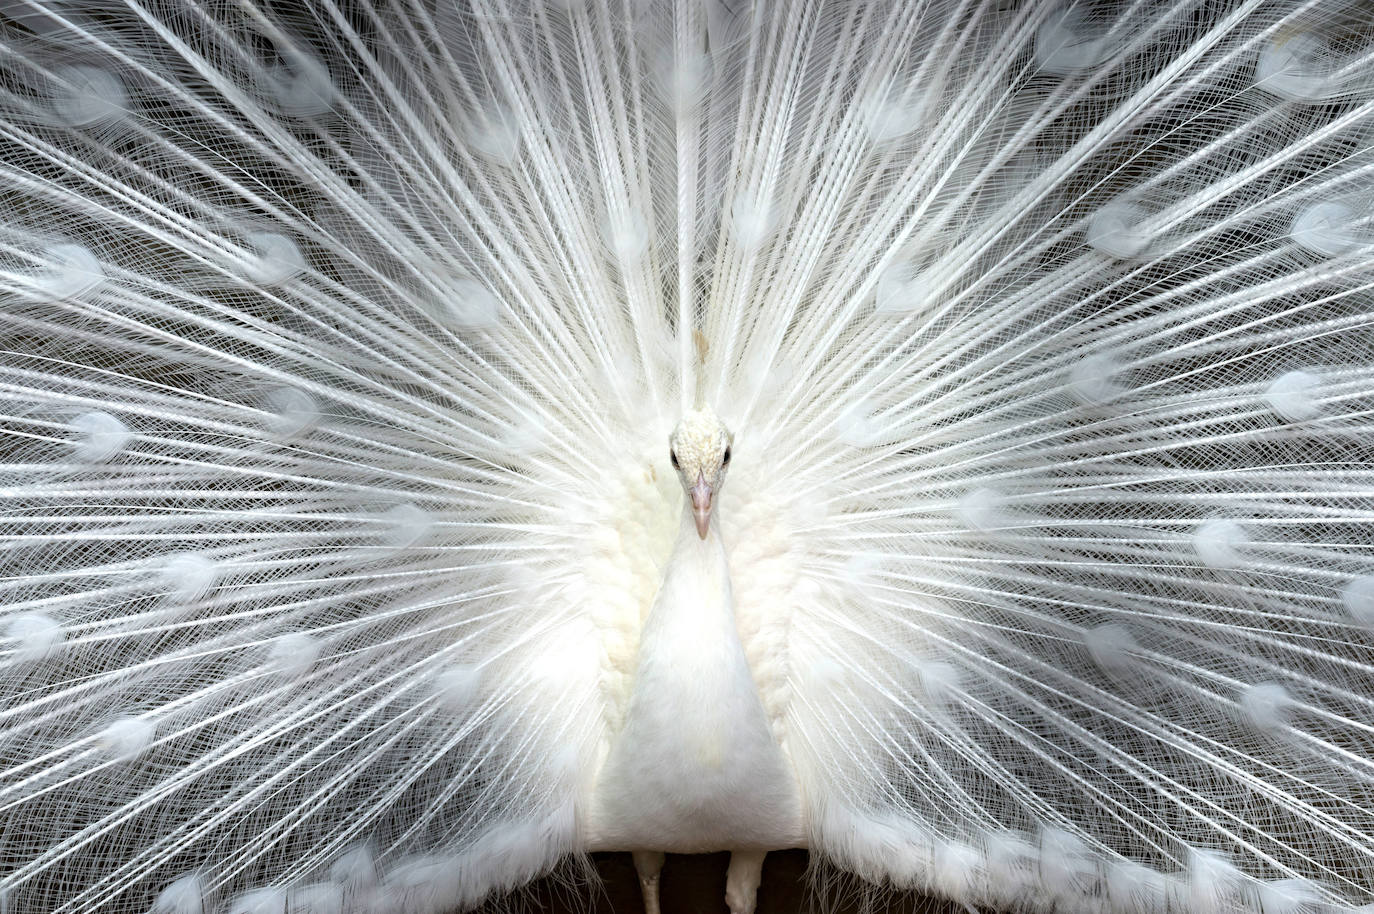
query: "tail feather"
338, 351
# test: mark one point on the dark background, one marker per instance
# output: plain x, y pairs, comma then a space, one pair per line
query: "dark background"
696, 885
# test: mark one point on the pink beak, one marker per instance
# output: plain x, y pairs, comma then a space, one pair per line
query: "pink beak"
701, 504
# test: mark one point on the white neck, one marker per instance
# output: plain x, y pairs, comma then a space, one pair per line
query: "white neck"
697, 579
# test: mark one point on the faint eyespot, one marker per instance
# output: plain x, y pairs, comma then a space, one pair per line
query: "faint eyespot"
1297, 68
98, 437
902, 289
628, 236
86, 96
1293, 396
461, 302
1093, 381
185, 895
406, 525
259, 901
186, 577
274, 259
457, 686
291, 411
752, 220
1358, 599
69, 272
1118, 230
296, 82
981, 509
495, 135
126, 738
1065, 44
1266, 705
36, 637
1111, 647
1220, 543
1327, 228
293, 654
1213, 881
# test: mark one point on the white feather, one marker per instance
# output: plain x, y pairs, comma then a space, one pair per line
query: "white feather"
185, 895
340, 344
98, 436
35, 636
186, 577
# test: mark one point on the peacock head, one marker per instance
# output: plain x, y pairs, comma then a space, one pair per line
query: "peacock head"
700, 451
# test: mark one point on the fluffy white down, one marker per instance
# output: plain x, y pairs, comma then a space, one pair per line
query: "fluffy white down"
340, 343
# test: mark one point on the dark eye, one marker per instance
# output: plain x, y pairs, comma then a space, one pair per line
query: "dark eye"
672, 455
726, 461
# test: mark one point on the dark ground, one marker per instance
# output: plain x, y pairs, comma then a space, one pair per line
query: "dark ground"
696, 885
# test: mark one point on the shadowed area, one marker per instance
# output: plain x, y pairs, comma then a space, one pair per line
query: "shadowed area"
695, 883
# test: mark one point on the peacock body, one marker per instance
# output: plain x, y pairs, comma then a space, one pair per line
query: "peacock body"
371, 370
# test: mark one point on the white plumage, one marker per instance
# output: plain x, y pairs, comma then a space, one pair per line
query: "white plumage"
346, 567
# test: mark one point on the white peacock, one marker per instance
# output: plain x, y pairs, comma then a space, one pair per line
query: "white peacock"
371, 372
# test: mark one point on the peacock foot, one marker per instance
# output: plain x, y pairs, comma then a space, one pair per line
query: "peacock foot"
648, 864
742, 880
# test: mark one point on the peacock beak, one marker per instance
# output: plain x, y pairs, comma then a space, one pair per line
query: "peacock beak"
701, 504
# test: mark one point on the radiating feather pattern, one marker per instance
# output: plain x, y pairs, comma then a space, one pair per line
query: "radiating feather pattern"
341, 344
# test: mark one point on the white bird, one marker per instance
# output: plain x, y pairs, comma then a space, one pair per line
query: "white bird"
371, 370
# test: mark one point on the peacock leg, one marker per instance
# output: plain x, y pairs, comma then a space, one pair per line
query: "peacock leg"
648, 864
742, 880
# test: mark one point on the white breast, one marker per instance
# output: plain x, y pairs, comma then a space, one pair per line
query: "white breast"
696, 767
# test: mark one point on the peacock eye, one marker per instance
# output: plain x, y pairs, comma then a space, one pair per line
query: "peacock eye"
672, 455
725, 462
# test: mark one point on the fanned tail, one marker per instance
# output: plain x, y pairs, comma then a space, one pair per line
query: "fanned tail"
339, 347
1061, 363
329, 340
